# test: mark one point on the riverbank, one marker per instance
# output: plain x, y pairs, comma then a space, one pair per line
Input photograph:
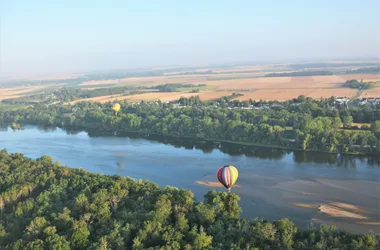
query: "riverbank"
271, 180
68, 202
112, 132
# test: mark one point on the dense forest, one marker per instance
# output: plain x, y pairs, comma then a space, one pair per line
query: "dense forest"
47, 206
301, 124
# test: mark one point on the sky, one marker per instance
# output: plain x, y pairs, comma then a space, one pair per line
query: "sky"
74, 36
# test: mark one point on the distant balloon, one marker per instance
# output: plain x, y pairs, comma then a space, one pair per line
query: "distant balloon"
116, 107
227, 175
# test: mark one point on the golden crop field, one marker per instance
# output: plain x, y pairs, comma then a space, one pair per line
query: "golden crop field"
8, 93
101, 99
287, 94
155, 96
171, 96
365, 77
373, 92
253, 85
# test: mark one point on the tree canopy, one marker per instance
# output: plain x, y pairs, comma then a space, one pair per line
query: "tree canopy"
44, 205
301, 124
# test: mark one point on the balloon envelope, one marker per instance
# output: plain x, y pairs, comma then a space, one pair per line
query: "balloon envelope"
227, 175
116, 107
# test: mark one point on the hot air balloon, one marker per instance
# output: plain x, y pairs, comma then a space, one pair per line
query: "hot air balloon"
116, 107
227, 175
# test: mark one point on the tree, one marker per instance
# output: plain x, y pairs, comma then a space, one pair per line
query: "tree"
56, 242
35, 227
285, 233
79, 235
347, 121
376, 127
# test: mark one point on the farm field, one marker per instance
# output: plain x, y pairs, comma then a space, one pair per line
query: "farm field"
287, 94
374, 92
7, 93
101, 99
234, 79
242, 81
162, 96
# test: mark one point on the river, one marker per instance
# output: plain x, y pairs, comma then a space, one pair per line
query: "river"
275, 183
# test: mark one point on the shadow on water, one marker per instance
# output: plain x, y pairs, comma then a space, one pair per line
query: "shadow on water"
346, 161
266, 153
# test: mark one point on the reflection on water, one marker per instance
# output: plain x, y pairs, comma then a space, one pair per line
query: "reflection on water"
271, 179
347, 161
207, 147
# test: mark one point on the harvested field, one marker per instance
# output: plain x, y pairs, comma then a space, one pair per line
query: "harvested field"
302, 80
365, 77
212, 95
171, 96
4, 97
328, 81
163, 96
299, 82
287, 94
101, 99
7, 93
374, 92
254, 83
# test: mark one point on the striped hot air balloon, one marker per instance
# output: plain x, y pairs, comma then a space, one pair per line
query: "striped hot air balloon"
227, 175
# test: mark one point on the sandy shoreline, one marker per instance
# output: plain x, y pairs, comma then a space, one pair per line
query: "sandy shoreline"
214, 184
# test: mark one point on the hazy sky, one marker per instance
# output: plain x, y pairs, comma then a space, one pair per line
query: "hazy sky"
75, 35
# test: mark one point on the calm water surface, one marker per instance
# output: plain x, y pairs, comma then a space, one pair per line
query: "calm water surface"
272, 180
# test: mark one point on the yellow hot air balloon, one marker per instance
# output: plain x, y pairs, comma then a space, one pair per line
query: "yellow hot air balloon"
116, 107
227, 175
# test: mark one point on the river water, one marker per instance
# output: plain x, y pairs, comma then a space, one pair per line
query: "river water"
275, 183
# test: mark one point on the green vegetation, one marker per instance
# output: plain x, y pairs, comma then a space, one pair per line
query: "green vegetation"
68, 94
371, 70
316, 124
174, 87
301, 73
355, 84
47, 206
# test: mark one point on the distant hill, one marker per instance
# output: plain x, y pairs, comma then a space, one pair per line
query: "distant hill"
371, 70
301, 73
